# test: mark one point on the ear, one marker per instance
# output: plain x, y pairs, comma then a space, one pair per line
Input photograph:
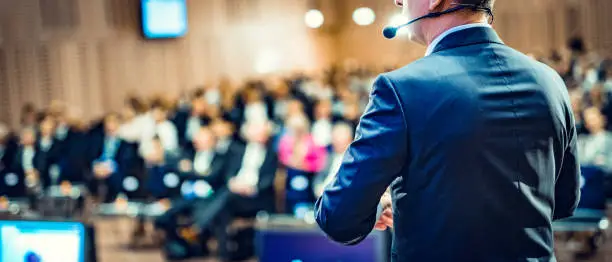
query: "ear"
434, 4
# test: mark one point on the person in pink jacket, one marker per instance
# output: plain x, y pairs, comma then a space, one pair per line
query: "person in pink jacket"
303, 158
297, 148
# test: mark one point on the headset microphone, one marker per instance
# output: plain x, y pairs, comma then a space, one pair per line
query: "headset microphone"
390, 32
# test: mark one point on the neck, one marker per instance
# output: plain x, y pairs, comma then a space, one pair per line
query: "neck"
438, 26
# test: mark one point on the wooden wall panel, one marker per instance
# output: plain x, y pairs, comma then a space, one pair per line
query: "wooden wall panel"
90, 53
5, 109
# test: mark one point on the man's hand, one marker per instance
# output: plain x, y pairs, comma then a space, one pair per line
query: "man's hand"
386, 219
102, 170
185, 166
241, 189
32, 176
155, 157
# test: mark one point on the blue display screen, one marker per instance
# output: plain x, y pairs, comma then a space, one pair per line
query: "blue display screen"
164, 18
35, 241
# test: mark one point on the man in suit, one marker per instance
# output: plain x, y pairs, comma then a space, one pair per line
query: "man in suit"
29, 165
251, 173
250, 184
188, 121
476, 141
112, 160
50, 150
7, 148
73, 146
203, 166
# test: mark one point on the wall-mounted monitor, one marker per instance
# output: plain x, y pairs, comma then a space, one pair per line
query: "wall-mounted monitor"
164, 18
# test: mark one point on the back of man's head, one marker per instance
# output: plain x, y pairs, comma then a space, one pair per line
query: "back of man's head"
480, 3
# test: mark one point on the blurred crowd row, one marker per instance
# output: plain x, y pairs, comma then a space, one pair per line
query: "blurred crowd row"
588, 77
213, 153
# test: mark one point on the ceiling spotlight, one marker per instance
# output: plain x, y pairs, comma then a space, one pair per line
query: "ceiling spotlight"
364, 16
314, 18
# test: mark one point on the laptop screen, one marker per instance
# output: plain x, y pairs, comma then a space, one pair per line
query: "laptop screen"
38, 241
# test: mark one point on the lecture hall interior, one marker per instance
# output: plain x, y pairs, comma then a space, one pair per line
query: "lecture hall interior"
205, 130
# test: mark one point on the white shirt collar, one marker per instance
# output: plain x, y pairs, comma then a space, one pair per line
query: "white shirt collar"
438, 39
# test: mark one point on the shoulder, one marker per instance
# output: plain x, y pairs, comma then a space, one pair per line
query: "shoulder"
418, 70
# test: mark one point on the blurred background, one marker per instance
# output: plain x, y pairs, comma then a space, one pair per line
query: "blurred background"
205, 129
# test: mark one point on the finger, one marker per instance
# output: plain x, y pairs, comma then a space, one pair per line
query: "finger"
387, 221
380, 227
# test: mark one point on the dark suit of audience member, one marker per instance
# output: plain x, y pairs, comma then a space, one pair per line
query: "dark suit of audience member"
8, 149
163, 179
250, 185
111, 160
254, 167
189, 121
73, 160
50, 152
592, 192
202, 166
29, 163
253, 105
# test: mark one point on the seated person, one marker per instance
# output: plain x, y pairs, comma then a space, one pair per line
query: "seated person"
342, 136
163, 129
73, 146
50, 149
189, 121
595, 148
8, 148
303, 158
224, 130
322, 126
250, 186
204, 163
252, 172
28, 165
203, 172
112, 160
163, 180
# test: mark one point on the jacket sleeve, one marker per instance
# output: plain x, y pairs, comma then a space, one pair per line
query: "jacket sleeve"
567, 186
346, 211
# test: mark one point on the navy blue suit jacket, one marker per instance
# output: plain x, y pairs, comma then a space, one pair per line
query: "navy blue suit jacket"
478, 144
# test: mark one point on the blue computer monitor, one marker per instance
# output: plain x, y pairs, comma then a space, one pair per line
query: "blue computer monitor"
34, 241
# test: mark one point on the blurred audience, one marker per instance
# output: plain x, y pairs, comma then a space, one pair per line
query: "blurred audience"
163, 129
595, 148
297, 148
213, 154
112, 160
342, 136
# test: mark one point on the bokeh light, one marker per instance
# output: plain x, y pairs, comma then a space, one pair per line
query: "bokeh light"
364, 16
314, 18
